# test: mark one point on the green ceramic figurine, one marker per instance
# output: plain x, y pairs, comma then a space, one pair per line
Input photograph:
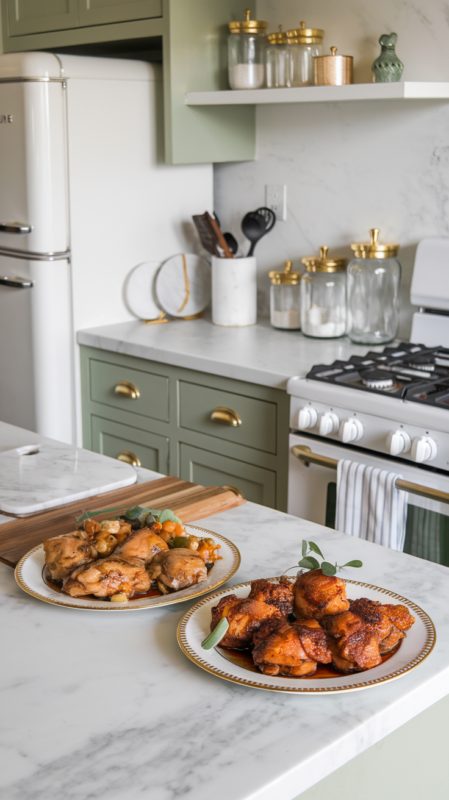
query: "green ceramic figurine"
387, 68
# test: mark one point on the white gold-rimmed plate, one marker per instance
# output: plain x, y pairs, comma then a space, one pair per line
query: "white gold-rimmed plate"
418, 643
29, 576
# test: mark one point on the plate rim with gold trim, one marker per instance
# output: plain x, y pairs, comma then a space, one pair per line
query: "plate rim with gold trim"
417, 645
28, 575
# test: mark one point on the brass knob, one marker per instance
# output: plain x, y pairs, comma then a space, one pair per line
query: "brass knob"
233, 489
127, 389
226, 416
129, 458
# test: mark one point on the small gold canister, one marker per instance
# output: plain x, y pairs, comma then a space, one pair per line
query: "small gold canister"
332, 70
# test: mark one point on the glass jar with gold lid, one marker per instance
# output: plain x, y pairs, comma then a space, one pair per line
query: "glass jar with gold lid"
303, 45
246, 53
374, 280
323, 296
276, 60
285, 298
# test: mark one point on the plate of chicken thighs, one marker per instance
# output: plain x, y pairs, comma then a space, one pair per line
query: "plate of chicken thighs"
111, 566
315, 633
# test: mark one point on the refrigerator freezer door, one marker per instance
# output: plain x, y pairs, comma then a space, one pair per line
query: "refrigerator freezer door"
36, 364
33, 167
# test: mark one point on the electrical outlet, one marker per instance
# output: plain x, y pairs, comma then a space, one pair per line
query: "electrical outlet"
276, 199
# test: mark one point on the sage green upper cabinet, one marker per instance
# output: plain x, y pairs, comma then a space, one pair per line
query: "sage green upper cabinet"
34, 16
102, 12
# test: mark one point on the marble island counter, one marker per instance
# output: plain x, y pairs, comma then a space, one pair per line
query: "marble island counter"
106, 706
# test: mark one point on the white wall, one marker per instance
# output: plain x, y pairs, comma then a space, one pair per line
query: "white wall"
351, 166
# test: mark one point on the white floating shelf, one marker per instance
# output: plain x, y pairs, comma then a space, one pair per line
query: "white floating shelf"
408, 90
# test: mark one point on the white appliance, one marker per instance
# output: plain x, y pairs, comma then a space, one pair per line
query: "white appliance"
84, 198
388, 409
430, 291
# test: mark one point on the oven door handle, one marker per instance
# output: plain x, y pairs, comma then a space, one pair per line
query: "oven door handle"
15, 282
305, 455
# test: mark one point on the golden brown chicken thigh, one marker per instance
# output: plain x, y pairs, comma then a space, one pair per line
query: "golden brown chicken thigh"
178, 568
109, 576
143, 544
245, 616
64, 553
317, 595
380, 618
353, 642
292, 649
280, 595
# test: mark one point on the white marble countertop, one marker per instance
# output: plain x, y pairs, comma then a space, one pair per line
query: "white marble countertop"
107, 706
257, 353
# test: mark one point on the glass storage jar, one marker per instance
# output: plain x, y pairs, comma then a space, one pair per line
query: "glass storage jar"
374, 280
303, 45
323, 296
276, 60
285, 298
246, 53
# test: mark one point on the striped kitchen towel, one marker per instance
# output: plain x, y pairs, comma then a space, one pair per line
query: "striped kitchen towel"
369, 505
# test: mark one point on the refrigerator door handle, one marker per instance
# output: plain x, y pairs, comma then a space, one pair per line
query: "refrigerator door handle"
16, 282
15, 227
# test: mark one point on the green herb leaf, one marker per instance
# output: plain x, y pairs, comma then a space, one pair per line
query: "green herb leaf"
328, 569
216, 636
90, 514
309, 563
304, 547
314, 547
353, 564
168, 515
137, 511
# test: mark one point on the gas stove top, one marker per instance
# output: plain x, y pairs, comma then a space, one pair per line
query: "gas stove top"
410, 372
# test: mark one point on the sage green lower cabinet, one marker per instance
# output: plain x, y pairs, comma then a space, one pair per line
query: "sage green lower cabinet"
112, 438
200, 466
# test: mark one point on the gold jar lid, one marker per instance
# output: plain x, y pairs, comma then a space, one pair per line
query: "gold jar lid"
248, 25
373, 249
322, 263
303, 35
277, 38
287, 276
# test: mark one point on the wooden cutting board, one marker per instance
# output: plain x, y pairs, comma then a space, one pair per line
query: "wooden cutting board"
188, 500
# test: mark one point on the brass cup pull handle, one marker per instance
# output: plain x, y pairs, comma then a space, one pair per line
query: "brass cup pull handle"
226, 416
129, 458
233, 489
127, 389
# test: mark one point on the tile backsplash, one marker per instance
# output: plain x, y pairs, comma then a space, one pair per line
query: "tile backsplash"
349, 167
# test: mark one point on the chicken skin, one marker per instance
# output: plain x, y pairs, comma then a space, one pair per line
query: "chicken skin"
317, 595
400, 616
108, 576
177, 568
143, 544
353, 641
280, 595
379, 617
245, 616
292, 649
64, 553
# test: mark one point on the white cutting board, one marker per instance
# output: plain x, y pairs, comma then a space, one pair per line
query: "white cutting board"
40, 476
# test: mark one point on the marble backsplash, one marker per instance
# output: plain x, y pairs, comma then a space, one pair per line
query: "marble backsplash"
349, 167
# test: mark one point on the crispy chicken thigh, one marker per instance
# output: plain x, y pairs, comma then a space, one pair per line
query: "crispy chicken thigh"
353, 641
280, 595
317, 595
64, 553
245, 616
293, 649
381, 617
143, 544
400, 616
109, 576
178, 568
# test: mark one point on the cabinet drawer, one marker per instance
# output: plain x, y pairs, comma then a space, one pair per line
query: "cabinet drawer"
103, 12
210, 469
113, 438
152, 389
258, 417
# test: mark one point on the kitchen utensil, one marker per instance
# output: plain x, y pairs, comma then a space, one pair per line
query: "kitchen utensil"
323, 296
234, 291
387, 68
29, 576
246, 53
333, 70
206, 233
220, 238
232, 243
140, 295
285, 298
183, 285
226, 664
303, 45
256, 224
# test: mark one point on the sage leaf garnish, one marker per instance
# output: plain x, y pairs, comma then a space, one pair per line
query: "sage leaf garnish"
328, 569
353, 564
90, 514
216, 636
304, 547
314, 547
310, 562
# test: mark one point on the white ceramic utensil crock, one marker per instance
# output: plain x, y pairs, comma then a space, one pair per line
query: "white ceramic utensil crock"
234, 291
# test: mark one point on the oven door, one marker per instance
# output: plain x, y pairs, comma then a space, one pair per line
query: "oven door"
312, 495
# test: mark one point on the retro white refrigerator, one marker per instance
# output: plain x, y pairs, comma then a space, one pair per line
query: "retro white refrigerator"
85, 197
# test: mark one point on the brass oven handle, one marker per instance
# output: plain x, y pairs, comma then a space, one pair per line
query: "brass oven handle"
127, 389
226, 416
233, 489
129, 458
307, 457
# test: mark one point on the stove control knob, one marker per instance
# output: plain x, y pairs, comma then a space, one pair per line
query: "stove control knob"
351, 430
307, 418
398, 442
329, 423
423, 449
